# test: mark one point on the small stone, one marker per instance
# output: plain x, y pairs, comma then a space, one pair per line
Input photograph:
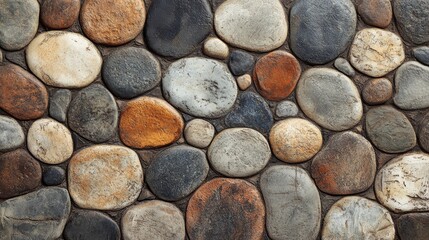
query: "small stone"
240, 62
105, 177
146, 194
276, 75
377, 13
1, 56
214, 47
413, 226
411, 18
376, 52
59, 14
19, 173
11, 133
64, 59
53, 175
422, 133
59, 104
286, 108
226, 209
130, 72
199, 133
358, 218
295, 140
91, 225
344, 66
153, 220
244, 81
422, 54
377, 91
149, 122
390, 130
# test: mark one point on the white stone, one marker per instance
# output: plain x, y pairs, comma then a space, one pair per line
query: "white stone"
216, 48
199, 133
286, 108
11, 134
244, 81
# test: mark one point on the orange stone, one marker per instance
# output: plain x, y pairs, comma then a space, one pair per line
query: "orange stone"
59, 14
149, 122
276, 75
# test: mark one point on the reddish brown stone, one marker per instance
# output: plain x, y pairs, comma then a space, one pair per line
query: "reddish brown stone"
226, 209
276, 75
21, 94
59, 14
377, 91
19, 173
377, 13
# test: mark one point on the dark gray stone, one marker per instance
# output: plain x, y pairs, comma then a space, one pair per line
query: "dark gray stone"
422, 54
240, 62
18, 58
59, 103
423, 133
91, 225
344, 66
412, 17
413, 226
53, 175
11, 134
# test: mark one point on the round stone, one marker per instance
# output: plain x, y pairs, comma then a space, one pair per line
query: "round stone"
377, 91
149, 122
226, 209
11, 133
199, 133
422, 54
105, 177
295, 140
313, 37
240, 62
376, 52
239, 152
358, 218
286, 108
216, 48
91, 225
390, 130
80, 59
59, 104
177, 172
329, 98
345, 165
276, 75
59, 14
200, 87
244, 81
153, 220
377, 13
411, 18
413, 226
422, 133
53, 175
344, 66
93, 113
19, 21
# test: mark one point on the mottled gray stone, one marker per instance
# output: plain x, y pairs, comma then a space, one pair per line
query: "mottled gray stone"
286, 108
422, 54
423, 133
91, 225
240, 62
59, 103
53, 175
412, 17
344, 66
11, 134
413, 226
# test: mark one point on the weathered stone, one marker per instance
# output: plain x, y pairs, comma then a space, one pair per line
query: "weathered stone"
423, 133
59, 14
199, 133
286, 108
377, 91
11, 134
59, 103
411, 18
53, 175
413, 226
377, 13
422, 54
240, 62
91, 225
344, 66
214, 47
244, 81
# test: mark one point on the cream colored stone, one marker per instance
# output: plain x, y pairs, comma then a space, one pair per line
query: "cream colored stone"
244, 81
216, 48
199, 133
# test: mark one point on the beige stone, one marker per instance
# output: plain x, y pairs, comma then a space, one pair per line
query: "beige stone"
216, 48
244, 81
199, 133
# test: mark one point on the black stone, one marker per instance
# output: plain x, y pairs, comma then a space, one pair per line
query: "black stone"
91, 225
412, 17
422, 54
240, 62
53, 175
58, 104
414, 226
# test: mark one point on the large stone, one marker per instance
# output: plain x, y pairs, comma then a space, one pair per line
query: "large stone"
377, 91
411, 18
11, 133
199, 133
413, 226
59, 14
377, 13
91, 225
59, 104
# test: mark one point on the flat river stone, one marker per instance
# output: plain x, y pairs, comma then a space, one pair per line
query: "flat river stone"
11, 133
412, 17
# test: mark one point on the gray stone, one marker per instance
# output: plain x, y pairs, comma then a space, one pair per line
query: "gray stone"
344, 66
412, 17
53, 175
286, 108
91, 225
422, 54
240, 62
423, 133
413, 226
59, 103
11, 134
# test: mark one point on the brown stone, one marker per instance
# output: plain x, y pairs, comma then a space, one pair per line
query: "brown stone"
21, 94
226, 209
276, 75
112, 22
59, 14
19, 173
377, 91
149, 122
377, 13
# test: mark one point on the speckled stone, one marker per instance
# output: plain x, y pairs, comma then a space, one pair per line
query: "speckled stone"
199, 133
53, 175
11, 133
344, 66
59, 14
411, 18
240, 62
91, 225
422, 54
422, 133
286, 108
216, 48
244, 81
59, 103
377, 91
413, 226
377, 13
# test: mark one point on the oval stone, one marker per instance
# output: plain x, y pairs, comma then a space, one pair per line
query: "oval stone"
199, 133
377, 13
422, 54
286, 108
53, 175
64, 59
91, 225
377, 91
59, 14
412, 17
59, 104
11, 133
413, 226
216, 48
342, 65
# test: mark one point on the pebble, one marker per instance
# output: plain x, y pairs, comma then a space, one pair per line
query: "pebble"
19, 173
59, 104
19, 21
149, 122
251, 111
93, 113
313, 37
21, 94
59, 14
422, 133
175, 28
377, 91
226, 209
377, 13
176, 172
345, 165
244, 81
358, 218
200, 87
11, 133
411, 18
422, 54
130, 72
91, 225
413, 226
80, 59
240, 62
344, 66
292, 202
286, 108
329, 98
216, 48
105, 177
199, 133
53, 175
390, 130
153, 220
295, 140
401, 184
38, 215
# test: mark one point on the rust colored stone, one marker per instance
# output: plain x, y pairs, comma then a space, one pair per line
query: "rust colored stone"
59, 14
377, 13
276, 75
21, 94
377, 91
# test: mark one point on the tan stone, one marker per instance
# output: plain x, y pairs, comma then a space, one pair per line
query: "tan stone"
199, 133
244, 81
216, 48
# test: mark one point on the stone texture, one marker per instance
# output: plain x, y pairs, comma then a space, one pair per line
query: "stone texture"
105, 177
345, 165
423, 133
64, 59
377, 91
216, 48
149, 122
377, 13
91, 225
292, 202
53, 175
199, 133
59, 104
411, 18
59, 14
329, 98
286, 108
240, 62
11, 134
422, 54
413, 226
344, 66
225, 209
244, 81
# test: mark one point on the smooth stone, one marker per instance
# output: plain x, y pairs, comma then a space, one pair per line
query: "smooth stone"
80, 59
240, 62
412, 17
377, 13
358, 218
401, 184
216, 48
17, 58
423, 133
93, 113
175, 28
91, 225
244, 82
377, 91
321, 29
38, 215
59, 104
292, 202
329, 98
19, 20
422, 54
153, 220
376, 52
199, 133
251, 111
413, 226
105, 177
344, 66
200, 87
255, 25
130, 72
1, 56
239, 152
59, 14
226, 209
19, 173
11, 133
390, 130
53, 175
286, 108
